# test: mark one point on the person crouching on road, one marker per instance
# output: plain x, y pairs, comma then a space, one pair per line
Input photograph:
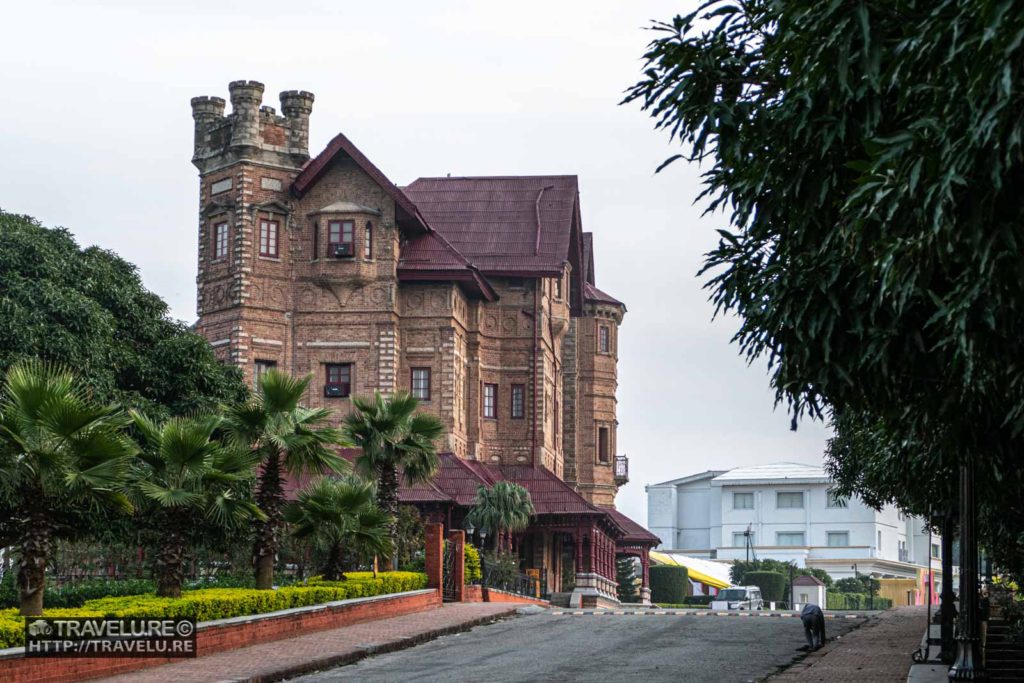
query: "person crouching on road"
814, 626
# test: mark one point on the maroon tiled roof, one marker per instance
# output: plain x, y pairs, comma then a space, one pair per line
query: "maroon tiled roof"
592, 293
550, 495
316, 167
634, 532
430, 256
503, 224
588, 258
807, 581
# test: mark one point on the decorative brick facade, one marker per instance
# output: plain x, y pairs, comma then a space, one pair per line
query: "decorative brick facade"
306, 264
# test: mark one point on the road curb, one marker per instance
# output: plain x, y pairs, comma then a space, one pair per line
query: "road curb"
695, 613
351, 657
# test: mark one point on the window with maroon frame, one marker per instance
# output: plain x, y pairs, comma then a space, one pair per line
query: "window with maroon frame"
604, 339
420, 382
268, 238
491, 401
339, 380
602, 444
368, 241
220, 240
340, 234
518, 402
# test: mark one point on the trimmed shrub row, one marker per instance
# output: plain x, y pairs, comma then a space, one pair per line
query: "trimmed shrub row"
855, 601
772, 584
669, 584
207, 604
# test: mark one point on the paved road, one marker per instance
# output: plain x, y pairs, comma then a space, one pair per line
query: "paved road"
546, 647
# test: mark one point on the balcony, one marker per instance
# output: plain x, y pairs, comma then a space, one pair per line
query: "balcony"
621, 469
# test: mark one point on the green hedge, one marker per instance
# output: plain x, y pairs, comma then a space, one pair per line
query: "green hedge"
669, 584
220, 603
772, 584
74, 594
855, 601
698, 600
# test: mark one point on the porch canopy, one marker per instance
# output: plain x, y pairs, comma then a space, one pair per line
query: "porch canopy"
598, 533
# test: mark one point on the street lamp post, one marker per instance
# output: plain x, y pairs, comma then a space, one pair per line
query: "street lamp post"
968, 666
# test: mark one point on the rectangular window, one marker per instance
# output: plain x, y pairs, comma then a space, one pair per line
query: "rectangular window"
368, 242
339, 380
316, 240
340, 238
739, 539
835, 501
220, 240
602, 444
879, 545
268, 238
260, 368
491, 401
789, 499
558, 288
789, 538
604, 340
838, 539
518, 401
743, 501
421, 383
935, 550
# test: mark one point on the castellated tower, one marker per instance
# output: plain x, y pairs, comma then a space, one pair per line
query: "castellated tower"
247, 161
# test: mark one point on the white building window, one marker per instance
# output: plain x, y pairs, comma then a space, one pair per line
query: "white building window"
743, 501
739, 539
935, 550
789, 538
879, 544
836, 501
838, 539
789, 499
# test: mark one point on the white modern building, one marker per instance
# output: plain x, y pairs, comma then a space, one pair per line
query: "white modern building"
789, 513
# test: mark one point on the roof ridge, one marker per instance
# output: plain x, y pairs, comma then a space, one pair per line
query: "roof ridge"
498, 177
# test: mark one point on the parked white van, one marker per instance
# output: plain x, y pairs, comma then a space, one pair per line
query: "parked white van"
738, 597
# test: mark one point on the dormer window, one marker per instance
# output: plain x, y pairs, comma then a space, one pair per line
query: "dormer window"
341, 239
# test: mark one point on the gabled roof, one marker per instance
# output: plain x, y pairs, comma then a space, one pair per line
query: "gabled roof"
793, 472
505, 225
807, 581
709, 474
634, 532
341, 145
430, 257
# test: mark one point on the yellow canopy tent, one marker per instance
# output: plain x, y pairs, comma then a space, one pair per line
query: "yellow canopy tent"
709, 573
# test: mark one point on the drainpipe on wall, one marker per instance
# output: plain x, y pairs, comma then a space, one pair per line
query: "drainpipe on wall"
536, 343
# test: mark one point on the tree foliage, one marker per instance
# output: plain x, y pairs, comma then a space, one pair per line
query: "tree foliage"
340, 515
87, 309
869, 157
503, 508
284, 437
393, 438
60, 454
187, 481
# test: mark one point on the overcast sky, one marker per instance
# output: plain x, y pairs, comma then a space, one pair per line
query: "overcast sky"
96, 136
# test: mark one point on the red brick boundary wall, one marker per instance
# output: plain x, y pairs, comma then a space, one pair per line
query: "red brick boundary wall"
224, 634
482, 594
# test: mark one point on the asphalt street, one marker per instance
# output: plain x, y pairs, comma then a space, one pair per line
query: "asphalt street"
546, 647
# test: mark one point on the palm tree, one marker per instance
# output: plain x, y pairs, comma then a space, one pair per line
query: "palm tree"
186, 476
59, 452
393, 437
503, 508
284, 437
340, 514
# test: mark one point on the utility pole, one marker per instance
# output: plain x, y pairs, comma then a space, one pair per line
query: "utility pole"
968, 666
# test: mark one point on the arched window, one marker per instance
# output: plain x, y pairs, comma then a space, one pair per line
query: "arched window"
368, 242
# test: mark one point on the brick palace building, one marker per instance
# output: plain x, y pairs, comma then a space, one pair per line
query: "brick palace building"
477, 294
